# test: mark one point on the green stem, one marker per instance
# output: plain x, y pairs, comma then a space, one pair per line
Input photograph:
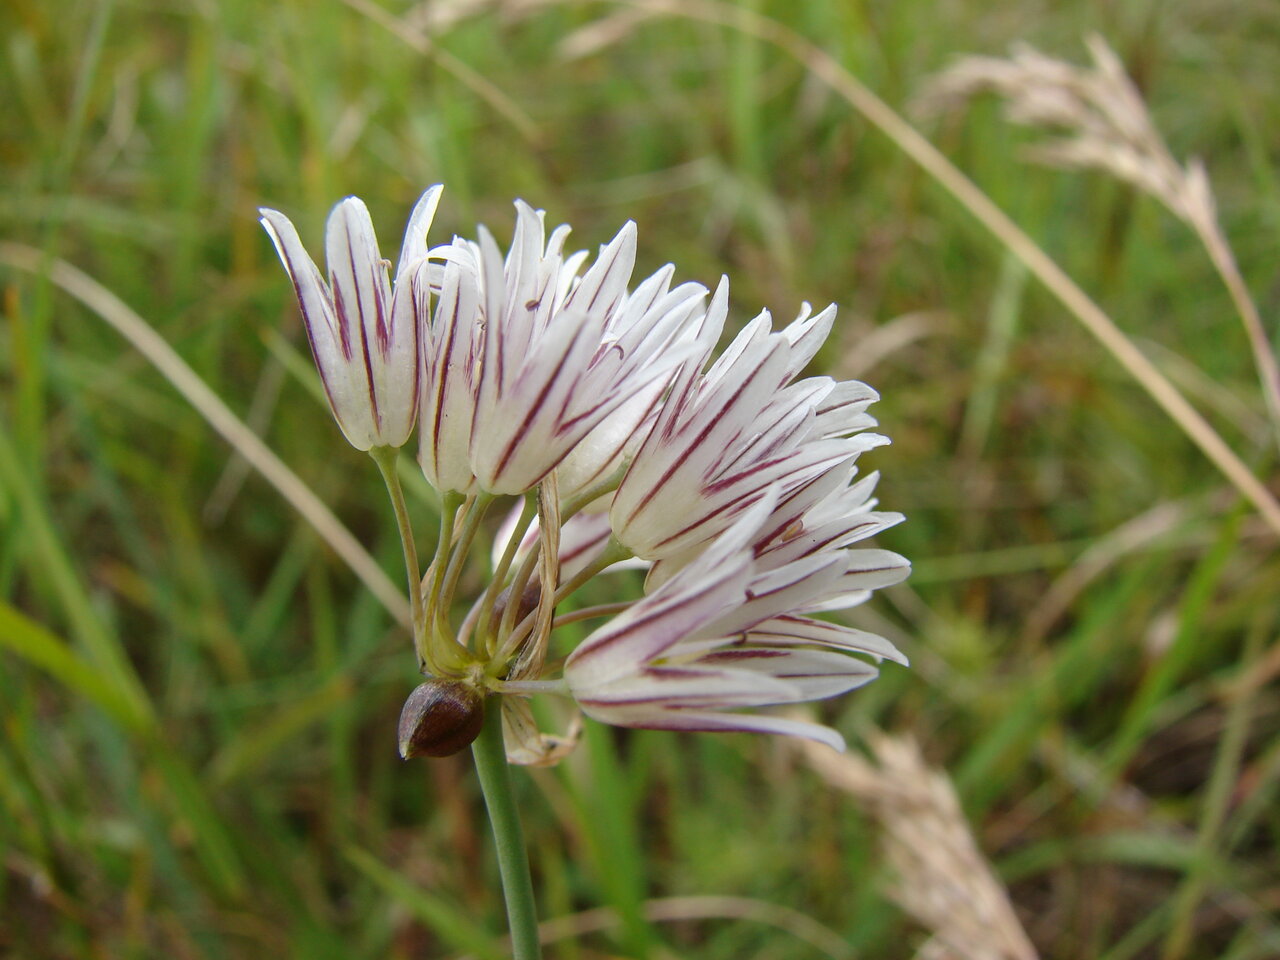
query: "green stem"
449, 504
518, 584
461, 547
529, 511
385, 458
613, 553
444, 654
589, 496
513, 859
526, 688
590, 613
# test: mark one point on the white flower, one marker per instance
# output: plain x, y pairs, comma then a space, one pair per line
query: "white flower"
654, 306
364, 335
734, 481
744, 496
526, 359
451, 354
726, 631
725, 437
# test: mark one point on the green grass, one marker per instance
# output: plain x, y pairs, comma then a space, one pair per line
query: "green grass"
198, 700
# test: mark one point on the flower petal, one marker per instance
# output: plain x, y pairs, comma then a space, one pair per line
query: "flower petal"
810, 674
658, 718
366, 344
803, 630
414, 248
449, 393
674, 612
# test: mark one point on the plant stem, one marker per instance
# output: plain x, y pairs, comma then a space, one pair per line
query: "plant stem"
589, 613
475, 508
574, 505
613, 553
385, 458
500, 573
513, 860
444, 653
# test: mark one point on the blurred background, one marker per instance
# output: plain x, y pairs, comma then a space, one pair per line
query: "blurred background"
198, 698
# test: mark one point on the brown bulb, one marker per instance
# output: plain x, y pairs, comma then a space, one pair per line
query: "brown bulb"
440, 718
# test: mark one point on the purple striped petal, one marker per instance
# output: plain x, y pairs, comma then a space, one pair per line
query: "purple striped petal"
366, 340
807, 334
810, 674
675, 612
803, 630
449, 393
654, 717
691, 688
605, 284
414, 249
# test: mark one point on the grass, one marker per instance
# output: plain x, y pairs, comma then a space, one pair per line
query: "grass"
198, 697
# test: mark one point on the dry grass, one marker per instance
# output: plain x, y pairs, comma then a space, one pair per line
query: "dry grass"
941, 878
1103, 124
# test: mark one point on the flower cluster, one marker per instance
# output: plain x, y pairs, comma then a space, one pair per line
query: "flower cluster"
602, 405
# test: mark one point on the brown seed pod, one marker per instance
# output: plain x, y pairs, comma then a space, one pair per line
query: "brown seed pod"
440, 718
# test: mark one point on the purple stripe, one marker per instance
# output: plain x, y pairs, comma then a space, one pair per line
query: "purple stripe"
302, 301
787, 516
419, 359
738, 500
302, 305
340, 311
612, 400
364, 333
724, 656
441, 381
666, 609
307, 321
864, 570
534, 408
697, 441
379, 302
818, 545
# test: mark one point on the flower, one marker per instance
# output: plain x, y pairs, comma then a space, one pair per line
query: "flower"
526, 360
726, 437
727, 631
734, 480
364, 332
743, 495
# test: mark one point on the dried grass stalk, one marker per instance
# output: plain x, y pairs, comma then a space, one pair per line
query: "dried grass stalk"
942, 879
1102, 123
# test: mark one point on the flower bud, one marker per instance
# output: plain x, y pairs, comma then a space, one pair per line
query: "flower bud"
440, 718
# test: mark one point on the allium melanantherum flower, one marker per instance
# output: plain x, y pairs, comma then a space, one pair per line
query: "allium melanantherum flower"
602, 406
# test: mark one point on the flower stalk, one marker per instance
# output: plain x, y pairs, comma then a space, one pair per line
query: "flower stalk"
508, 836
385, 458
461, 546
503, 568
